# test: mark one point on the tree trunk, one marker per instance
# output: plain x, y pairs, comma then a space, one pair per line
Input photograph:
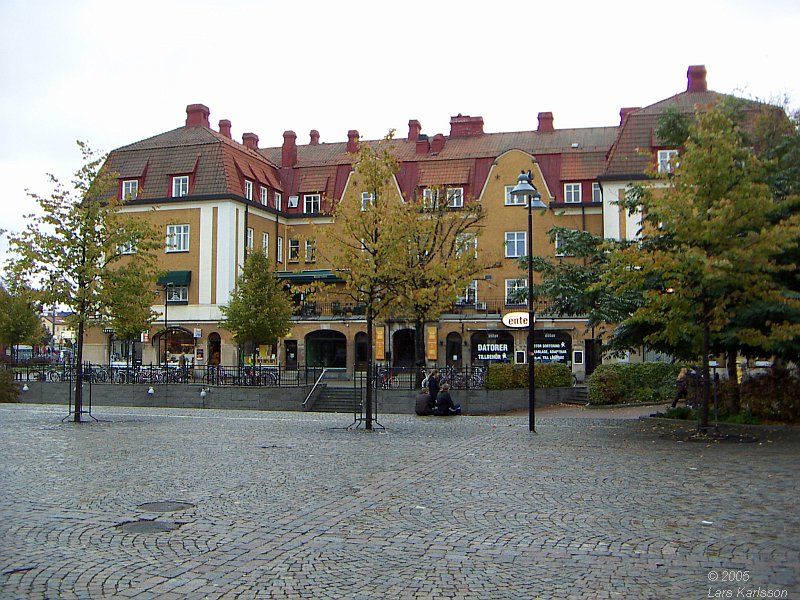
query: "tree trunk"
79, 374
733, 376
370, 369
702, 424
419, 352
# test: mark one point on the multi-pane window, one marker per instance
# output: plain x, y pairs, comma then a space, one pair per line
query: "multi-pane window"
516, 244
180, 186
470, 294
177, 238
249, 238
513, 200
597, 192
130, 188
455, 197
248, 189
367, 198
516, 291
264, 196
127, 248
278, 201
430, 198
664, 158
467, 242
294, 250
265, 243
279, 250
311, 251
177, 293
572, 193
311, 203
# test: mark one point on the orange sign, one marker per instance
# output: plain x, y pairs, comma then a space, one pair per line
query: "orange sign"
431, 353
380, 343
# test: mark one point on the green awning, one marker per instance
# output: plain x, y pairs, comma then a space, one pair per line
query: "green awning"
321, 275
175, 278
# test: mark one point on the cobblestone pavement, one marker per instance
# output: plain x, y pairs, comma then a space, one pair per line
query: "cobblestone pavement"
290, 505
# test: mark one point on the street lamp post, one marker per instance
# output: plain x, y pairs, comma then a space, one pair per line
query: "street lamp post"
533, 199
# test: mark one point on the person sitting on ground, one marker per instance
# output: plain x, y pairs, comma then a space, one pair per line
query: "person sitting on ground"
424, 406
444, 403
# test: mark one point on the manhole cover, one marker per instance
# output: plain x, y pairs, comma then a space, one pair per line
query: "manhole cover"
165, 506
145, 526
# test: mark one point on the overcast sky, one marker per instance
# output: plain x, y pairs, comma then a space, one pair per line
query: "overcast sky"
114, 72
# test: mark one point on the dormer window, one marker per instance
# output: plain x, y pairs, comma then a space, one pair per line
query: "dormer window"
130, 189
572, 193
455, 197
664, 160
264, 196
248, 189
430, 198
311, 203
180, 186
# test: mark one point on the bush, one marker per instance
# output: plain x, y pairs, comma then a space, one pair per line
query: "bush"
9, 390
633, 382
507, 376
773, 396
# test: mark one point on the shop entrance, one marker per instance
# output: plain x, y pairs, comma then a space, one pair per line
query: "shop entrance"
326, 349
453, 350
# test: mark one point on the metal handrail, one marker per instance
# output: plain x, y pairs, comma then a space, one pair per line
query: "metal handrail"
314, 387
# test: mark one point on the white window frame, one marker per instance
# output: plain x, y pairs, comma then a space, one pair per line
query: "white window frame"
311, 251
470, 295
180, 186
293, 201
127, 248
264, 196
178, 238
455, 197
464, 241
310, 201
177, 293
278, 201
367, 198
249, 241
514, 200
430, 198
512, 285
572, 193
248, 189
130, 189
513, 239
664, 157
279, 250
597, 192
294, 251
265, 243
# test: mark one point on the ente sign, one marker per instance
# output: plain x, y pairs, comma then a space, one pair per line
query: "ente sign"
516, 320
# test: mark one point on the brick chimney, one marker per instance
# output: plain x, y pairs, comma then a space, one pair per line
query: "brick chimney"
352, 141
624, 112
289, 150
697, 79
225, 128
465, 126
414, 129
437, 143
314, 137
546, 121
250, 140
423, 144
197, 115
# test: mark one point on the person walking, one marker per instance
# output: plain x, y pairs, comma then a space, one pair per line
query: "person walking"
433, 385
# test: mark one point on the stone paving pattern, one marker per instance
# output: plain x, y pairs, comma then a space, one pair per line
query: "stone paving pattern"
291, 505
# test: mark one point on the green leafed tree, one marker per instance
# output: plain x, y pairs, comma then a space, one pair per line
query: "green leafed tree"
439, 259
709, 248
365, 241
19, 318
260, 310
78, 243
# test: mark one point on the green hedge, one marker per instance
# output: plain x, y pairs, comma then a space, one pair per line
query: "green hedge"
9, 390
508, 376
631, 383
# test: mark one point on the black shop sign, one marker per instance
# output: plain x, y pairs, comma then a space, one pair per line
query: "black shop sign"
552, 346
